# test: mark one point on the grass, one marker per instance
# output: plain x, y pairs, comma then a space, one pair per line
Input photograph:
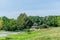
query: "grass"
43, 34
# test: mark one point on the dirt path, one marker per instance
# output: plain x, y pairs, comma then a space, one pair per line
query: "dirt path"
8, 33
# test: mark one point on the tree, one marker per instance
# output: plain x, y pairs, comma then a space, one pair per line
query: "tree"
5, 22
52, 21
1, 24
58, 20
35, 19
23, 21
12, 25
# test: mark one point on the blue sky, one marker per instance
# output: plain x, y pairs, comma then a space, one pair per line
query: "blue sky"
12, 8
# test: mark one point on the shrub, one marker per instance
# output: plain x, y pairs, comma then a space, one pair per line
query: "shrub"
44, 26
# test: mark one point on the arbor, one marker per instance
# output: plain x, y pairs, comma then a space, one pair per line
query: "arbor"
58, 20
35, 19
9, 24
23, 21
12, 25
1, 24
52, 21
5, 22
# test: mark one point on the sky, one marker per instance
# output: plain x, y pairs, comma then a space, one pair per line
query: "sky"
12, 8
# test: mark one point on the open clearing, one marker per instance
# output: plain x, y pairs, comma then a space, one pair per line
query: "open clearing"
43, 34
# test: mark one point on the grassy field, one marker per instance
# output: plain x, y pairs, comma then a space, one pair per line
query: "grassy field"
43, 34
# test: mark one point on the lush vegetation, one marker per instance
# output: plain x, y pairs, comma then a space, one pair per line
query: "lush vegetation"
43, 34
25, 22
22, 22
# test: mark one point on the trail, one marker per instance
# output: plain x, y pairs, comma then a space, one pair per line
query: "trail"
2, 34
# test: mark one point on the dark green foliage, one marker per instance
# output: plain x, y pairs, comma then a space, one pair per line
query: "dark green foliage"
48, 20
5, 22
52, 21
44, 26
12, 25
7, 38
9, 24
23, 21
35, 19
28, 31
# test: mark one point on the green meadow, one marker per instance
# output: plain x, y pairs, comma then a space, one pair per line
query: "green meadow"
42, 34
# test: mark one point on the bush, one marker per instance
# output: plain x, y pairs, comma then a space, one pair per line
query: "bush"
27, 31
8, 38
44, 26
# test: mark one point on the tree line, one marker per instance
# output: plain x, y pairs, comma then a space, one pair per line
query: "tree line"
26, 22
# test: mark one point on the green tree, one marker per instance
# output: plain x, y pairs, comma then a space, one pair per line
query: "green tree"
35, 19
58, 20
5, 22
1, 24
12, 25
23, 21
52, 21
